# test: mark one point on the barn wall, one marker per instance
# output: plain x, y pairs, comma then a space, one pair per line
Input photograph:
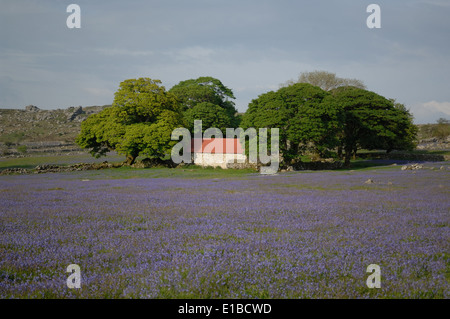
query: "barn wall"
221, 160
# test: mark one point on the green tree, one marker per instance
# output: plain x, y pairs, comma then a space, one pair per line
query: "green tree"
325, 80
101, 132
300, 114
139, 122
370, 121
211, 115
205, 90
404, 128
442, 128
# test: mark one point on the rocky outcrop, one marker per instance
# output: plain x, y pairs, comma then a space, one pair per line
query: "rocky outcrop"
434, 143
32, 108
412, 167
15, 170
242, 166
39, 126
73, 114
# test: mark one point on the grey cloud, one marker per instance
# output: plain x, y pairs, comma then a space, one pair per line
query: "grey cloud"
251, 46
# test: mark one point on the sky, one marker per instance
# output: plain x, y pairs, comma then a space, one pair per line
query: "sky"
252, 46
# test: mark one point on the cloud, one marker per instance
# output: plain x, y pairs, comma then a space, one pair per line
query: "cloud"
100, 92
429, 112
443, 107
251, 46
249, 72
122, 52
437, 3
262, 88
197, 53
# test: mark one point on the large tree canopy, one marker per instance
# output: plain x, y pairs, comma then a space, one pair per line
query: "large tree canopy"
347, 117
300, 114
203, 90
370, 121
404, 128
140, 122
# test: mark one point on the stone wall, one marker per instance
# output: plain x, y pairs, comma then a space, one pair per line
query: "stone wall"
46, 168
434, 143
34, 148
408, 156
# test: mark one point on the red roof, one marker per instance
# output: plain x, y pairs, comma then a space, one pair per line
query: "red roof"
217, 145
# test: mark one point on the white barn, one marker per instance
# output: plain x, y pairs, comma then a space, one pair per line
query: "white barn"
217, 152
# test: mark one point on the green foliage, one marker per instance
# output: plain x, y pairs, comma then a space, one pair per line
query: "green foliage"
142, 101
4, 150
212, 115
101, 132
405, 130
300, 114
204, 89
12, 138
209, 92
140, 122
347, 117
22, 149
309, 119
238, 119
371, 121
441, 129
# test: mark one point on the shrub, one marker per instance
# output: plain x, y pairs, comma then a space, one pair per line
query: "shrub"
22, 149
442, 131
4, 151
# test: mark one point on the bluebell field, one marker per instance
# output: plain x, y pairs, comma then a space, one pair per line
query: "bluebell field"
292, 235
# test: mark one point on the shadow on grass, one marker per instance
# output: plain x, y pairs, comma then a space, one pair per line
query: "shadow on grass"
25, 166
435, 152
30, 162
367, 164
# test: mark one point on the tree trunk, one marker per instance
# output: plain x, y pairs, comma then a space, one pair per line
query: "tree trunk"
130, 159
339, 151
347, 160
347, 156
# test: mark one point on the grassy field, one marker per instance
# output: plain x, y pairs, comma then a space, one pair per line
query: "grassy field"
213, 233
32, 161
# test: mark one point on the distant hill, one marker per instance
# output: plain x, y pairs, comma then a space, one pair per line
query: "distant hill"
36, 125
434, 136
42, 131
